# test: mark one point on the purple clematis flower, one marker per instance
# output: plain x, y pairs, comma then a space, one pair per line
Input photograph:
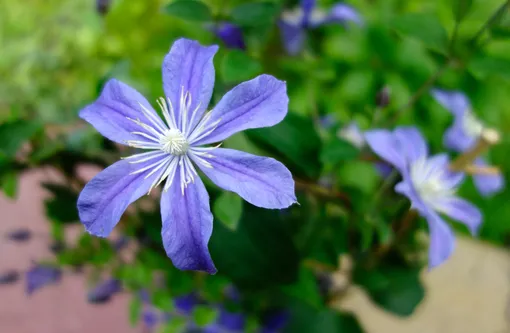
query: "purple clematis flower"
175, 146
294, 23
230, 34
40, 276
104, 291
464, 134
429, 185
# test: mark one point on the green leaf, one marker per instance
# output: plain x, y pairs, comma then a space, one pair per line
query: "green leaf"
9, 184
359, 174
254, 14
396, 289
228, 209
176, 325
484, 66
204, 315
338, 150
305, 289
296, 139
305, 319
461, 8
237, 66
61, 207
135, 310
259, 253
423, 27
192, 10
14, 134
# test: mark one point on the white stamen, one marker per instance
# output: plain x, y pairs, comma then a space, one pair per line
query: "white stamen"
171, 147
430, 181
471, 125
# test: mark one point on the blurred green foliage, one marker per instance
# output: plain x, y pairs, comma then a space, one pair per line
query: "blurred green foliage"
58, 54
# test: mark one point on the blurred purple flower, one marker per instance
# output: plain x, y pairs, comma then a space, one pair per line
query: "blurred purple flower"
230, 34
231, 321
120, 243
9, 277
232, 293
104, 291
150, 318
429, 185
294, 22
176, 145
20, 235
40, 276
185, 304
464, 134
275, 322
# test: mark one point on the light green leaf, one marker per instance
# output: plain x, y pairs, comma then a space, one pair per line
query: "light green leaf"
423, 27
228, 208
192, 10
238, 66
14, 134
135, 310
255, 13
204, 315
461, 8
9, 184
337, 151
483, 66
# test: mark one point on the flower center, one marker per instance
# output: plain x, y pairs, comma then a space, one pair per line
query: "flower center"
471, 125
429, 180
174, 142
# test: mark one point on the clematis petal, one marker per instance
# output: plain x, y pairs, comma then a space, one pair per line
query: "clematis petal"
455, 137
262, 181
105, 198
293, 37
385, 144
110, 112
40, 276
412, 143
187, 226
260, 102
461, 211
454, 101
188, 67
442, 240
488, 185
343, 13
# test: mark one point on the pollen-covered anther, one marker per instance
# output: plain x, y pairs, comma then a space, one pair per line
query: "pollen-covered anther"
174, 142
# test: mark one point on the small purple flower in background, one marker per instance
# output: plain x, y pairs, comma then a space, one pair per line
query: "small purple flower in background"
230, 34
294, 23
429, 185
40, 276
175, 147
463, 135
275, 322
19, 235
104, 291
9, 277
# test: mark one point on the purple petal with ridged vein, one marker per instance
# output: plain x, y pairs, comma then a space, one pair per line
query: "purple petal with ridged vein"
40, 276
189, 66
187, 226
386, 146
293, 37
461, 211
262, 181
109, 113
260, 102
454, 101
442, 240
343, 13
412, 143
488, 185
105, 198
456, 138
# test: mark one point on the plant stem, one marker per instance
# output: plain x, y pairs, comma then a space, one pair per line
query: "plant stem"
491, 21
323, 192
